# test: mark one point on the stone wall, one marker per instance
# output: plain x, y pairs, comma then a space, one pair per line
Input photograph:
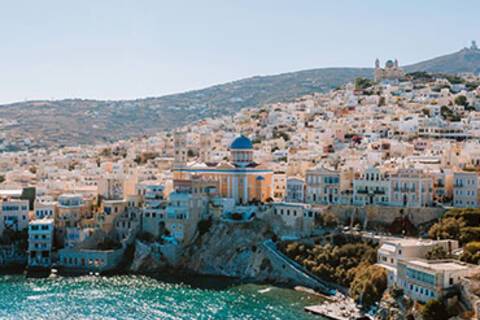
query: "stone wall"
384, 215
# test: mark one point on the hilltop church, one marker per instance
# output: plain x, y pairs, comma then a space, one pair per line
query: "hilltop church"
391, 71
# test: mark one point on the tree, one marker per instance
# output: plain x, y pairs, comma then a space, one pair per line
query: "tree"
2, 178
471, 252
381, 101
449, 115
326, 219
461, 100
191, 153
435, 310
369, 284
362, 83
447, 228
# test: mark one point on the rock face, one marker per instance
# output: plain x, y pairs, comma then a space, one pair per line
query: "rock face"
227, 249
230, 249
237, 250
146, 259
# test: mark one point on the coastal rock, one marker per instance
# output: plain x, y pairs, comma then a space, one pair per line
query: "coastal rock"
146, 259
232, 250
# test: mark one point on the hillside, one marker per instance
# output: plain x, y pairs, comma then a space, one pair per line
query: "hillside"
465, 60
72, 122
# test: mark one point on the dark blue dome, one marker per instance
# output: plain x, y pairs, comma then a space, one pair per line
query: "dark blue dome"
241, 142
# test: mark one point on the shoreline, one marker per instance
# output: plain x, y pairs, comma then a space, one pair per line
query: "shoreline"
185, 276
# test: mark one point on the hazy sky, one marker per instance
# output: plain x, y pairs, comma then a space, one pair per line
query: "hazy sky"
131, 49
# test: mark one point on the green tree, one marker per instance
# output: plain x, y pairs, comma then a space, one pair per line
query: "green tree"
471, 252
434, 310
381, 102
369, 284
461, 100
447, 228
362, 83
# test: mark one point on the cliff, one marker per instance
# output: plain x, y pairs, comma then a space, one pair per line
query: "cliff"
232, 250
236, 250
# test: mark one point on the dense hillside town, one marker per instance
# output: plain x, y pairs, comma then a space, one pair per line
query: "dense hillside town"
43, 123
379, 160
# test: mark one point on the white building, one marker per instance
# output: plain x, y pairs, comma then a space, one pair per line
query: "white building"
40, 241
183, 213
465, 190
45, 209
372, 188
392, 250
424, 280
295, 190
15, 214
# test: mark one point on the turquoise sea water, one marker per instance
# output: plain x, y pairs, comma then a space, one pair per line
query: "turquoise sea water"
142, 297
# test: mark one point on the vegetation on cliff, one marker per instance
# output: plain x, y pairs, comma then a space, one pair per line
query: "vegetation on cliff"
434, 310
350, 265
462, 225
369, 284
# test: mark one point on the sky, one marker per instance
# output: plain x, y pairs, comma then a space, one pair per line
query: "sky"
115, 49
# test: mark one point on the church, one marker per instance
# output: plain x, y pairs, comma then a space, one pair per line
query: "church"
391, 71
240, 178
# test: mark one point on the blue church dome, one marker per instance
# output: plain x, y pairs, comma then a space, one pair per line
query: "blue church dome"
241, 142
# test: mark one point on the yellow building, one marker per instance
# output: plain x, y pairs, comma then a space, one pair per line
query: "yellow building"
241, 179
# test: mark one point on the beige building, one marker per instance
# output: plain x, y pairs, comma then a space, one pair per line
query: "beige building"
411, 188
323, 186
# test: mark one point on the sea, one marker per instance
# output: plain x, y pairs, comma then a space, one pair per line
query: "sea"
144, 297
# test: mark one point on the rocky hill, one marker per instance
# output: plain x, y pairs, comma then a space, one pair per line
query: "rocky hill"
72, 122
465, 60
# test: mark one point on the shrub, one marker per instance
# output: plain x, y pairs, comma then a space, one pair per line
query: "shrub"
204, 226
362, 83
436, 253
461, 100
471, 252
145, 236
434, 310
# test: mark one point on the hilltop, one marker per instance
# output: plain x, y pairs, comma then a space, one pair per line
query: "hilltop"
77, 121
465, 60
